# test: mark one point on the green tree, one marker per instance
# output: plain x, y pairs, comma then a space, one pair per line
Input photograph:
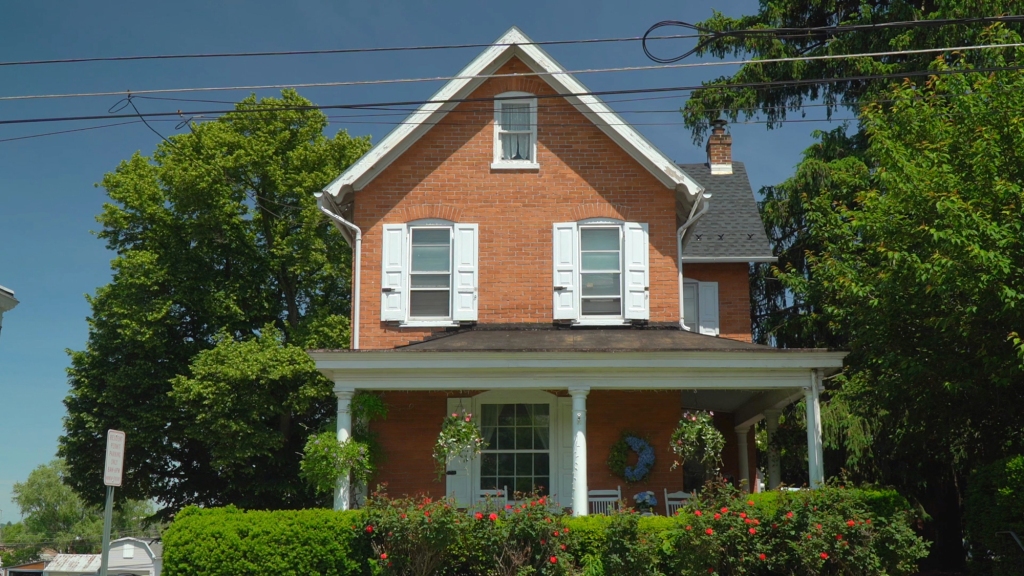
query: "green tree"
217, 236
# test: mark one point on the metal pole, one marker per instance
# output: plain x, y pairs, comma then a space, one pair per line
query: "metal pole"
107, 518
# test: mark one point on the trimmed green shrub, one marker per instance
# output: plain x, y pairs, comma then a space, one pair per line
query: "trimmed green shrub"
232, 542
995, 503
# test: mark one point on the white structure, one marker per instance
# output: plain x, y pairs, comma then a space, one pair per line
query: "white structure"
136, 557
73, 565
7, 302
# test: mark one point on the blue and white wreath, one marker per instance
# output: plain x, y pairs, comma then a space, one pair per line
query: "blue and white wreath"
619, 456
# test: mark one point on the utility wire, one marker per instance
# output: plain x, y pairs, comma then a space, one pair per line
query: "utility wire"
710, 36
333, 51
764, 84
30, 136
515, 75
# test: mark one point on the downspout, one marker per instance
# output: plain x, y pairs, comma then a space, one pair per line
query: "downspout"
354, 236
690, 221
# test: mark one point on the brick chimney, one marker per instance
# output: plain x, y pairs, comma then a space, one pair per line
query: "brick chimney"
719, 149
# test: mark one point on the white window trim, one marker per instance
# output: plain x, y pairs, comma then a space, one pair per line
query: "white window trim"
694, 324
515, 98
583, 319
411, 322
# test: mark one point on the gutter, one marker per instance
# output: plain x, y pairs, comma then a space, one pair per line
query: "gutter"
690, 221
354, 236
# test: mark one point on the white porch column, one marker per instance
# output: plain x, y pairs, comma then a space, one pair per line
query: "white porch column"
815, 457
743, 457
771, 420
580, 503
342, 493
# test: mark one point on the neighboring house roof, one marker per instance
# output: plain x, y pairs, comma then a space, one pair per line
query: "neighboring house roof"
512, 44
732, 229
74, 564
7, 299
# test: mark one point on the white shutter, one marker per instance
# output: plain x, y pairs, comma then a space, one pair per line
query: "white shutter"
707, 302
466, 272
563, 468
459, 479
393, 296
637, 295
566, 255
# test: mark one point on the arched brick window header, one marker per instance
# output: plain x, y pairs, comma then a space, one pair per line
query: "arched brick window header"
426, 211
598, 210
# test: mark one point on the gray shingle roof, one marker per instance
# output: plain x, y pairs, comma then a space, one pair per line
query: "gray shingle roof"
732, 228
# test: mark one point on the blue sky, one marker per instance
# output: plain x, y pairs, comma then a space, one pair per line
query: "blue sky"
48, 198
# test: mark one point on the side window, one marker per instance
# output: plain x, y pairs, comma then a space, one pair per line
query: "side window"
429, 273
515, 131
700, 307
600, 272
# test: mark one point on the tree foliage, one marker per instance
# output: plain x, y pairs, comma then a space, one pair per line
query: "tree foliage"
217, 237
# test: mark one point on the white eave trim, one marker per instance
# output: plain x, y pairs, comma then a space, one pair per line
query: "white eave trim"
728, 259
512, 43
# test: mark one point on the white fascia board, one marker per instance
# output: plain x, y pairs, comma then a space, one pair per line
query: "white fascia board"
513, 42
728, 259
7, 300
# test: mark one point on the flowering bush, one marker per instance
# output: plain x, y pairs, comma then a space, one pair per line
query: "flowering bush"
826, 531
411, 536
628, 551
527, 537
459, 437
618, 458
697, 439
324, 460
645, 501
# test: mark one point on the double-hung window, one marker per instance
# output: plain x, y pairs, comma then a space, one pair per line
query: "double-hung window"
700, 307
429, 273
601, 272
518, 452
515, 131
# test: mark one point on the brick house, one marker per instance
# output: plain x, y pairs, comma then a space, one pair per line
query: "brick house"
522, 253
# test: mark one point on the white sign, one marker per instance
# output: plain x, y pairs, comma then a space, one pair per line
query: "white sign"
114, 463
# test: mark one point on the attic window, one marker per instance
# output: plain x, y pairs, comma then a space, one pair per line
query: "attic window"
515, 131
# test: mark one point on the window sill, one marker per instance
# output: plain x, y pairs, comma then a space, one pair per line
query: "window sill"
602, 322
515, 166
428, 324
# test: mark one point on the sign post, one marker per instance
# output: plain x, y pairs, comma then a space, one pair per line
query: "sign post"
113, 466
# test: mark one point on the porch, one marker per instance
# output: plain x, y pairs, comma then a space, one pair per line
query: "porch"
553, 401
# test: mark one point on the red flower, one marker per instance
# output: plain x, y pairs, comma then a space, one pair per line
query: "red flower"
774, 525
689, 527
492, 517
478, 516
752, 530
709, 531
369, 529
711, 570
762, 556
541, 501
563, 547
565, 530
717, 516
868, 521
543, 542
403, 515
553, 559
750, 502
818, 526
697, 513
743, 514
824, 556
555, 533
384, 556
808, 536
508, 506
748, 521
851, 523
839, 536
724, 509
789, 514
757, 522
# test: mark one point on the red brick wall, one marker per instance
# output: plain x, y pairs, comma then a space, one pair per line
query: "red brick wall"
408, 434
733, 295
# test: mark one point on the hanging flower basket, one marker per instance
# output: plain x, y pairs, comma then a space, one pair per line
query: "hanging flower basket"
618, 458
459, 437
697, 440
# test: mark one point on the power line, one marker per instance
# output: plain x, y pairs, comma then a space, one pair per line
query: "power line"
30, 136
710, 36
333, 51
513, 75
764, 84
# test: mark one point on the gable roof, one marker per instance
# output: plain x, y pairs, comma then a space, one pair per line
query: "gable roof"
732, 229
512, 43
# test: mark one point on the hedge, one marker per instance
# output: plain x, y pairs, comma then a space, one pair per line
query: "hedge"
232, 542
826, 531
